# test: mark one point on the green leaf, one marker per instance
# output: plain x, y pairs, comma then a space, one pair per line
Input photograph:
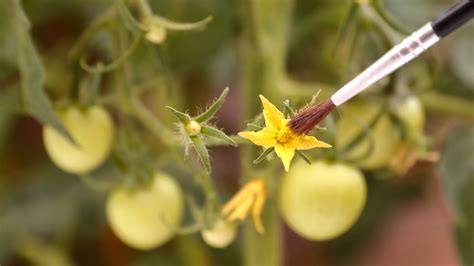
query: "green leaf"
202, 152
217, 134
456, 166
182, 117
172, 25
30, 67
212, 110
456, 169
263, 155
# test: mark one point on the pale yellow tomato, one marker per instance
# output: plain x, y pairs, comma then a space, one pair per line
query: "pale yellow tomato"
220, 235
355, 117
323, 200
146, 218
93, 131
412, 113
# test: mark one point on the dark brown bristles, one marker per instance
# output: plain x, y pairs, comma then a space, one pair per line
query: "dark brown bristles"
306, 119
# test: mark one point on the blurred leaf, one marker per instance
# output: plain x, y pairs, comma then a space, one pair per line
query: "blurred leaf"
42, 253
217, 134
457, 174
30, 67
456, 165
462, 56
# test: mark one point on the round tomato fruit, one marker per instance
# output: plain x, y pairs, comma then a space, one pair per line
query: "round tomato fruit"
93, 131
412, 113
220, 235
323, 200
384, 135
146, 218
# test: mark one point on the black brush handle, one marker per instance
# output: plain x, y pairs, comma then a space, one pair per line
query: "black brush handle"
452, 19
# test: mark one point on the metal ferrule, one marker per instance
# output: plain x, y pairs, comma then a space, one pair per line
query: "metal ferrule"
399, 55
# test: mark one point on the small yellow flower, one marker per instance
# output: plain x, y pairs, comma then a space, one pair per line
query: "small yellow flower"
278, 135
251, 196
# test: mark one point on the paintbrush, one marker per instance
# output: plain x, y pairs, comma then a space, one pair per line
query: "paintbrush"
409, 48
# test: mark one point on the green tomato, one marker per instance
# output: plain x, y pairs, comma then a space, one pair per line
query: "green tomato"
412, 113
147, 218
93, 131
355, 117
220, 235
323, 200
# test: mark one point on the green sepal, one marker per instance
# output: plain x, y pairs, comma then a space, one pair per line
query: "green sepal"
212, 110
254, 127
217, 134
304, 156
182, 117
263, 155
287, 110
202, 152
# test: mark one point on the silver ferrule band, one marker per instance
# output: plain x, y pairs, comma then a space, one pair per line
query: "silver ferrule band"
399, 55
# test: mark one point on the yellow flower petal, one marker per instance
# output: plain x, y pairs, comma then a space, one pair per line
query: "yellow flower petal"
310, 142
273, 117
236, 200
257, 210
241, 211
286, 153
263, 137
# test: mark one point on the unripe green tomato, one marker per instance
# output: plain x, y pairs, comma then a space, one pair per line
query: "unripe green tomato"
220, 235
323, 200
93, 131
146, 218
355, 117
412, 113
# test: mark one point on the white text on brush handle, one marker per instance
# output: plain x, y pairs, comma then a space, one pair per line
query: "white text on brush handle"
399, 55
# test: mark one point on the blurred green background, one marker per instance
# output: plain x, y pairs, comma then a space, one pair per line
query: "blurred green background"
426, 217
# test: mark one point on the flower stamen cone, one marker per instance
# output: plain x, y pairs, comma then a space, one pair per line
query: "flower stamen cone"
251, 197
278, 135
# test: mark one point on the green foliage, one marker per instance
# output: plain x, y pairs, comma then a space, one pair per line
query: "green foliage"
31, 69
457, 171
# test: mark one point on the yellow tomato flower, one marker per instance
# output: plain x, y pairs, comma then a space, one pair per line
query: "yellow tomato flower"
251, 196
278, 135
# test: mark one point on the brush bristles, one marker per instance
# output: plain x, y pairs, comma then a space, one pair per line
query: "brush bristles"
305, 120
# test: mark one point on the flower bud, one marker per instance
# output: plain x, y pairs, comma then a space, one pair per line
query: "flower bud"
193, 128
156, 34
